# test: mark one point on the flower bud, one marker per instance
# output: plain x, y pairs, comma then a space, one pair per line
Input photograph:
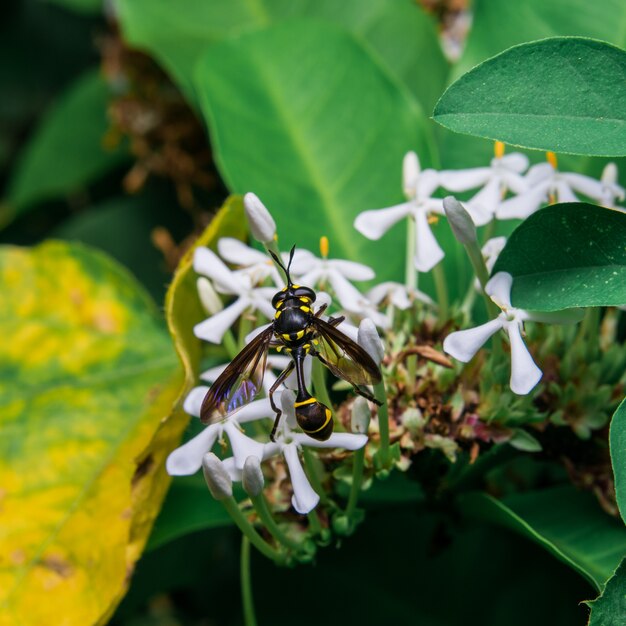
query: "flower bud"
609, 174
217, 479
410, 173
460, 221
209, 299
261, 222
252, 480
368, 339
361, 414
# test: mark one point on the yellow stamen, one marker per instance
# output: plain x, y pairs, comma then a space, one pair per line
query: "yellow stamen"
324, 247
433, 219
498, 149
551, 158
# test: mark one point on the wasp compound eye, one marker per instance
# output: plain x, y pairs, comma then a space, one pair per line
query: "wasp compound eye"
304, 292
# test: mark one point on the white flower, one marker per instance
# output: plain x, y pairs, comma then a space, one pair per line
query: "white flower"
313, 271
464, 344
491, 251
401, 296
288, 443
546, 182
249, 298
187, 459
419, 187
503, 174
611, 189
253, 263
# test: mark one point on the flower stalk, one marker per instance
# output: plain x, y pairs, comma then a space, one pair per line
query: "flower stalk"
249, 617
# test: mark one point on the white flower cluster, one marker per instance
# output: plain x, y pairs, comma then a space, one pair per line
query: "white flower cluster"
507, 174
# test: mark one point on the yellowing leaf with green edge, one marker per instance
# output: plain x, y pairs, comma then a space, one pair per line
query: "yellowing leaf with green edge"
88, 378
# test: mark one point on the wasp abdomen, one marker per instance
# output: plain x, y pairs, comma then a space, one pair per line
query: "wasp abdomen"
315, 418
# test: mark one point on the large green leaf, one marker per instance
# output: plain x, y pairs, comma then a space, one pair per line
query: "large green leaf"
566, 522
618, 455
302, 115
564, 94
85, 7
67, 151
88, 378
610, 608
567, 255
400, 32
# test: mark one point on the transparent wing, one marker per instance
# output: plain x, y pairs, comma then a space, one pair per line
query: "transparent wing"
345, 358
240, 382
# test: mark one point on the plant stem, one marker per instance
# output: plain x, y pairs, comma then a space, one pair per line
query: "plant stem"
357, 479
263, 511
230, 344
380, 394
246, 528
441, 289
247, 600
410, 274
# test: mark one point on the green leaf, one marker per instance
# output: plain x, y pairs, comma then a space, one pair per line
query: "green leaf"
610, 608
567, 255
302, 115
500, 24
564, 94
189, 507
566, 522
617, 438
67, 151
88, 380
399, 31
85, 7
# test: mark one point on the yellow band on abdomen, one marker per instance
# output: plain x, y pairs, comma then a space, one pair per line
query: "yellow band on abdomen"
317, 430
309, 401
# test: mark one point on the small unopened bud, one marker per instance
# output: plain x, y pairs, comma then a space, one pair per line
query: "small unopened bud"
368, 339
217, 478
252, 478
410, 173
460, 221
261, 222
209, 299
609, 174
361, 414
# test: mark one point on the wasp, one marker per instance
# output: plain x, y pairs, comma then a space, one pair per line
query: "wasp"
298, 331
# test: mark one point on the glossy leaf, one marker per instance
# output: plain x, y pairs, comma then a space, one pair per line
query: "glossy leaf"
563, 94
610, 608
301, 114
618, 455
500, 24
566, 522
67, 152
399, 31
88, 380
567, 255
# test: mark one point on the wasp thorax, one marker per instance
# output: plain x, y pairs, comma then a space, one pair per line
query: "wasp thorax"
315, 419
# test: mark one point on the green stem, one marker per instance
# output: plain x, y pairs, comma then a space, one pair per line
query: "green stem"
319, 383
230, 344
489, 230
380, 394
357, 479
245, 326
441, 289
314, 522
247, 600
410, 274
246, 528
263, 511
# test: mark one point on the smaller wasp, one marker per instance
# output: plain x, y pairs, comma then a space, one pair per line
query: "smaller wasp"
299, 332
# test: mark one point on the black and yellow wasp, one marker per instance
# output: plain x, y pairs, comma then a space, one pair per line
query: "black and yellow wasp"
298, 331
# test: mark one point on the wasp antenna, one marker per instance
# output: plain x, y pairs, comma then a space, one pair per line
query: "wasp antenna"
280, 264
291, 253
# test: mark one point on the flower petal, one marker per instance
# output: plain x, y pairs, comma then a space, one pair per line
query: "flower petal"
347, 441
499, 289
524, 372
187, 459
564, 192
238, 253
427, 251
206, 262
304, 497
242, 445
213, 328
525, 204
410, 173
515, 161
464, 344
462, 180
194, 400
374, 224
483, 205
591, 187
352, 270
347, 294
255, 410
427, 183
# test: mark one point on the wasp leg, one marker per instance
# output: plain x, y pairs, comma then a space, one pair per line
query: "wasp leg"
320, 310
362, 392
279, 381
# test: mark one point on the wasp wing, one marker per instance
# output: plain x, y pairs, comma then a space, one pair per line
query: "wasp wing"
344, 358
240, 382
